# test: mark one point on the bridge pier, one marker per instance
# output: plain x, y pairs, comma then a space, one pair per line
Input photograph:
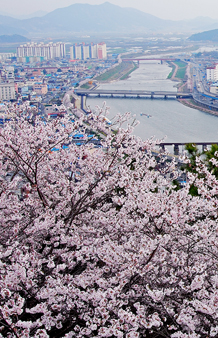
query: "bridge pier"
162, 146
165, 97
176, 149
176, 146
83, 102
204, 147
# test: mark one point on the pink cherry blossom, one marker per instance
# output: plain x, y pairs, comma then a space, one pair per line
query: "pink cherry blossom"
96, 242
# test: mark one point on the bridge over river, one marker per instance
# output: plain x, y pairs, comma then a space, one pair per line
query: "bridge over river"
176, 145
150, 59
133, 93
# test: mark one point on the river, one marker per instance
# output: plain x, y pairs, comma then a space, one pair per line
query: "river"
167, 117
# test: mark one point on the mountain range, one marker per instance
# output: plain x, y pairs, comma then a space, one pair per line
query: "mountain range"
24, 16
99, 19
211, 35
13, 38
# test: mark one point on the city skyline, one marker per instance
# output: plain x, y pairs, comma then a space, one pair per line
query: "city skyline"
167, 9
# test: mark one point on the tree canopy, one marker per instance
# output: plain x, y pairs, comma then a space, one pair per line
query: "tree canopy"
98, 242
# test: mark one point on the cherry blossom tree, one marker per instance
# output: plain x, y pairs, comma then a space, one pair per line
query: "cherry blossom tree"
97, 242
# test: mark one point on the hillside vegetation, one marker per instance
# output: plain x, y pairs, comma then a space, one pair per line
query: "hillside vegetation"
211, 35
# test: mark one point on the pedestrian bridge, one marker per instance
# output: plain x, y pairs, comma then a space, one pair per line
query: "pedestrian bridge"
133, 93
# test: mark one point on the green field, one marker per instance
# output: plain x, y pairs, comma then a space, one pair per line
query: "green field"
127, 74
119, 72
86, 86
180, 74
172, 71
180, 64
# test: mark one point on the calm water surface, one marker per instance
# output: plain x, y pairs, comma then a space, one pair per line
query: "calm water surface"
168, 117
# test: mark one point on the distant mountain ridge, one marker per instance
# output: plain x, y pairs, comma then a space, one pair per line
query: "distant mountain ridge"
103, 18
25, 16
13, 38
211, 35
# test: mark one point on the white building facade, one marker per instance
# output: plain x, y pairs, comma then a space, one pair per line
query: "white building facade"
48, 51
102, 50
7, 91
88, 51
212, 73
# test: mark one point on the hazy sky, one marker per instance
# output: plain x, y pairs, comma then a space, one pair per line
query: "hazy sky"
166, 9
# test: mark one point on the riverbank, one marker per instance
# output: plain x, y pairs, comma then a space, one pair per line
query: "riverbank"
169, 117
192, 104
178, 73
120, 72
123, 70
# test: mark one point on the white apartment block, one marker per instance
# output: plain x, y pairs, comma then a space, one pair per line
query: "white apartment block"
48, 51
212, 73
76, 52
91, 51
10, 72
7, 91
4, 56
102, 50
86, 52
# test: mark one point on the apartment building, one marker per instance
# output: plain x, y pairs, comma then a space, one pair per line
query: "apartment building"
93, 51
76, 52
212, 73
88, 51
102, 50
47, 51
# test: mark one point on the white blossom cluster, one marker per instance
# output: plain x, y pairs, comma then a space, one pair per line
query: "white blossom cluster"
95, 242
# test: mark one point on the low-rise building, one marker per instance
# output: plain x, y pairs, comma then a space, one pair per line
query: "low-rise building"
7, 91
5, 114
36, 72
40, 88
214, 88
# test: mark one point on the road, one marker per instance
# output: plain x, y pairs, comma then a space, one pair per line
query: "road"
200, 90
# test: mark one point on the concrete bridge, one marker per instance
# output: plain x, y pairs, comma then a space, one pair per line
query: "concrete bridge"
176, 146
150, 59
133, 93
